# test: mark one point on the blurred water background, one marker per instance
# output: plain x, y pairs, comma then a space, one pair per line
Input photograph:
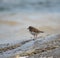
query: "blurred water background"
30, 6
17, 15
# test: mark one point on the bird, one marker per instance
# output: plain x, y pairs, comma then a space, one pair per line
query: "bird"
34, 31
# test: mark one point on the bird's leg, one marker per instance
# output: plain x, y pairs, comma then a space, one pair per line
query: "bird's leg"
36, 36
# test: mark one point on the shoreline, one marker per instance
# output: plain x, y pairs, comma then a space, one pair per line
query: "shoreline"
38, 46
14, 29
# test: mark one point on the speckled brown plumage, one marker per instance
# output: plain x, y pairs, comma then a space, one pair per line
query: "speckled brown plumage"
34, 31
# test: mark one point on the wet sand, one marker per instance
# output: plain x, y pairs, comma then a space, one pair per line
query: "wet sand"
14, 27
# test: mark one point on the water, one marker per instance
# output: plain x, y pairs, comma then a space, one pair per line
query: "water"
30, 5
14, 25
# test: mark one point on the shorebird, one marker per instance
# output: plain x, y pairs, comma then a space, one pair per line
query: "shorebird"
34, 31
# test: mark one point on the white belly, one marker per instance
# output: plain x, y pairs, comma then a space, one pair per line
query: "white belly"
33, 33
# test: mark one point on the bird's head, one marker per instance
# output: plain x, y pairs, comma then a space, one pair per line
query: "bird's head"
29, 27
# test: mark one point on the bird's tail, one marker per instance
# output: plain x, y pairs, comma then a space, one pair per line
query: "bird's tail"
41, 31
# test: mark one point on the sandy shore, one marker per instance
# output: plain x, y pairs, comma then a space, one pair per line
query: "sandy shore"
13, 28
